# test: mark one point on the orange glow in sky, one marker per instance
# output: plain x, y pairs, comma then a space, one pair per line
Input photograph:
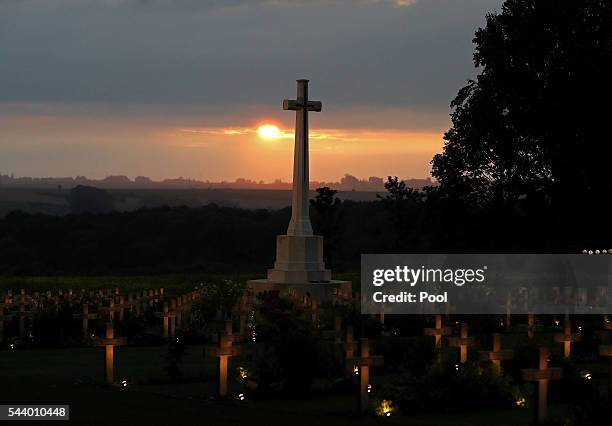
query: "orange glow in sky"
259, 149
333, 152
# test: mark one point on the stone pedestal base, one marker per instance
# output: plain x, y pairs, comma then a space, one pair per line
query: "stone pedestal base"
299, 259
322, 291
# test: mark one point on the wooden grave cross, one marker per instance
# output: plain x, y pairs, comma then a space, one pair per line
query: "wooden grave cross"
86, 316
542, 375
497, 355
109, 342
437, 332
364, 362
223, 350
567, 337
166, 315
462, 342
530, 325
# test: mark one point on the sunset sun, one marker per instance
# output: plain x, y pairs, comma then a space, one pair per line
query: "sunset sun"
269, 131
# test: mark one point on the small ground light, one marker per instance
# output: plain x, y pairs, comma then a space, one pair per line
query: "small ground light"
385, 408
243, 373
240, 397
124, 383
12, 346
356, 370
556, 322
586, 375
521, 402
457, 367
579, 328
369, 388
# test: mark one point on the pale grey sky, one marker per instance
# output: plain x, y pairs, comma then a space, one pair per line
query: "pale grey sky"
107, 78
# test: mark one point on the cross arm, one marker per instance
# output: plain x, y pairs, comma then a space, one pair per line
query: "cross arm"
532, 374
294, 105
110, 341
455, 342
605, 350
497, 356
444, 331
371, 361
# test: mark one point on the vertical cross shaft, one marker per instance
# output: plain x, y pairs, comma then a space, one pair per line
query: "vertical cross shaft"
300, 217
109, 355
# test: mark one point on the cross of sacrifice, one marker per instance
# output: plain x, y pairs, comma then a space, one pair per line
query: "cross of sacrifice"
364, 362
462, 342
86, 316
223, 350
300, 216
109, 342
567, 337
542, 375
497, 355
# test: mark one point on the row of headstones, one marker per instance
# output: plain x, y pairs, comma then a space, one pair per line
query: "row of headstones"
171, 320
107, 305
542, 375
224, 348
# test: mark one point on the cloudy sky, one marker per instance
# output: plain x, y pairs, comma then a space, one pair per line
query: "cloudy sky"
168, 88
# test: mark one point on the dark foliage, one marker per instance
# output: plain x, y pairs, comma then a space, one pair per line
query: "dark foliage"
87, 199
292, 355
533, 125
442, 389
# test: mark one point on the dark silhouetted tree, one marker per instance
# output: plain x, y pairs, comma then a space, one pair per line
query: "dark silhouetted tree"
536, 118
404, 209
327, 217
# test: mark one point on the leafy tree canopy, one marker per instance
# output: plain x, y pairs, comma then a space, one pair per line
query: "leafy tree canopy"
536, 118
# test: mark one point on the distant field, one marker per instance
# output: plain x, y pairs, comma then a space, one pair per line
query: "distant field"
54, 200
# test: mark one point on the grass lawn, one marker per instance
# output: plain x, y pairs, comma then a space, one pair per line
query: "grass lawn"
72, 376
